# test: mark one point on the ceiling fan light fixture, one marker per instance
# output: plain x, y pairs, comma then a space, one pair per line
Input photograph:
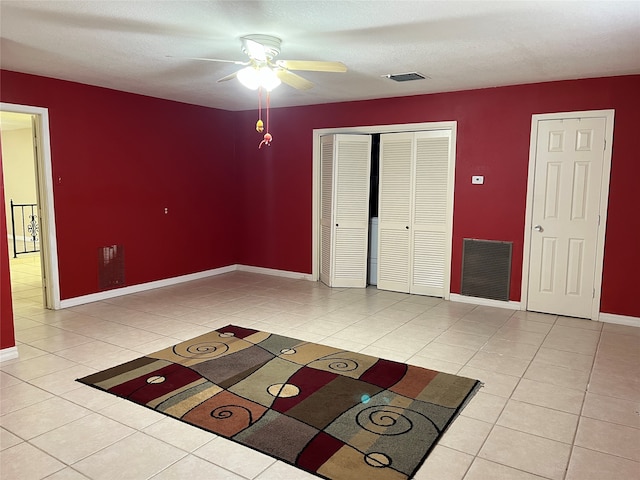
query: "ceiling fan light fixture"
268, 78
248, 77
256, 77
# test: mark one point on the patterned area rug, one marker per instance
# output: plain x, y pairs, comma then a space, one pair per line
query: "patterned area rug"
331, 412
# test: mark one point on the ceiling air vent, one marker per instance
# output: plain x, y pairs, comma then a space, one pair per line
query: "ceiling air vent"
405, 77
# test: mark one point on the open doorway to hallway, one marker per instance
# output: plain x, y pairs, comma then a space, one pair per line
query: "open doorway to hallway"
22, 207
26, 282
43, 177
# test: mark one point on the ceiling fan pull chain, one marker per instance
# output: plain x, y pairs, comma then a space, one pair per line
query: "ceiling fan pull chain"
267, 136
259, 123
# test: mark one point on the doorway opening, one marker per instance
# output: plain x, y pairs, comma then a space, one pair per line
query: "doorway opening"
26, 155
21, 198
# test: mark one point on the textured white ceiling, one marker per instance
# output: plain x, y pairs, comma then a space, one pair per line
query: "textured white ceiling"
125, 45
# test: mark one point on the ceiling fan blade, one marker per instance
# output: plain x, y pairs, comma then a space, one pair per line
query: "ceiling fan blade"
228, 77
211, 60
312, 66
293, 80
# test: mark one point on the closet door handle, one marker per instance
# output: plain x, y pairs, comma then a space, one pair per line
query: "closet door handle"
336, 224
407, 227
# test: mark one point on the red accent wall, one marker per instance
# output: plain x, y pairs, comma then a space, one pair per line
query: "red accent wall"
7, 338
494, 128
119, 159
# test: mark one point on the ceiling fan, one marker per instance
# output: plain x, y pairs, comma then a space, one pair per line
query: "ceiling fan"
263, 70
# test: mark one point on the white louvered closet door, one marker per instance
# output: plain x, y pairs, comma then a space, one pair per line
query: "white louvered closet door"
345, 200
415, 212
394, 211
430, 226
326, 207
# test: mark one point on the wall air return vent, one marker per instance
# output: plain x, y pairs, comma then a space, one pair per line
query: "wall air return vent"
110, 267
486, 269
405, 77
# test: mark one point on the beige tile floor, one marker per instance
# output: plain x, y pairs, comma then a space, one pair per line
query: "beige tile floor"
560, 400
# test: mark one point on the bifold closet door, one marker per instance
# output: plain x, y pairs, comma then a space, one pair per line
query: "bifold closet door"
432, 211
394, 211
344, 218
415, 205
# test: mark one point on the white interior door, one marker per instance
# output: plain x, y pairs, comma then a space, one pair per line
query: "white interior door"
346, 169
565, 219
395, 211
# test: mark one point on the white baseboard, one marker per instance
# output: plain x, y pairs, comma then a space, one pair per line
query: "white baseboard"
8, 353
117, 292
619, 319
486, 302
604, 317
276, 273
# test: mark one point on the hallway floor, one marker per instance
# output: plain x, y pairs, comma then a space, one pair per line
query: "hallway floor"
560, 401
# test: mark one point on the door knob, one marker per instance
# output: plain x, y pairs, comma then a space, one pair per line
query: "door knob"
538, 228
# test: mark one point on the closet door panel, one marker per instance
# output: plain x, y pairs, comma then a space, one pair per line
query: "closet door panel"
326, 208
395, 211
350, 210
430, 212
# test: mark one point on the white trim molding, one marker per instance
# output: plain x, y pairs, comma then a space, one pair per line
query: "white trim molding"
117, 292
10, 353
142, 287
619, 319
485, 302
274, 272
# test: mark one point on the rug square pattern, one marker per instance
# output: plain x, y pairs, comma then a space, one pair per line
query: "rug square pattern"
337, 414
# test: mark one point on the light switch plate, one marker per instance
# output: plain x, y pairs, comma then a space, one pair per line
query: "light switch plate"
477, 179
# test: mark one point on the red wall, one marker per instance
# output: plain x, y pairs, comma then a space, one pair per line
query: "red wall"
122, 158
118, 160
7, 338
493, 140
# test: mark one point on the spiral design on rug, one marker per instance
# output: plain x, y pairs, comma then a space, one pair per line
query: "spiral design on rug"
337, 364
201, 350
236, 413
386, 420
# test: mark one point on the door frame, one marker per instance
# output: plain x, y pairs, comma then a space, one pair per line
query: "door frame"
372, 129
604, 200
44, 174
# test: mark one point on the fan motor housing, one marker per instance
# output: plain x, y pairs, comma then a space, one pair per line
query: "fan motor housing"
270, 43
